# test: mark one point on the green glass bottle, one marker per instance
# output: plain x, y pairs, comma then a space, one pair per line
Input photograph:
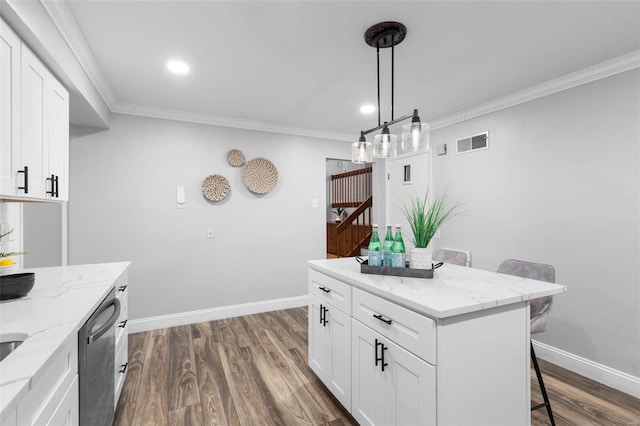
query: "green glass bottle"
397, 250
375, 248
386, 247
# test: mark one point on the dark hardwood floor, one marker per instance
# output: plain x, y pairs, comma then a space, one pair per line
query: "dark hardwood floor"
253, 370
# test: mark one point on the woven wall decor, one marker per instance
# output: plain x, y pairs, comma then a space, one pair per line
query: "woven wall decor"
235, 158
215, 188
260, 175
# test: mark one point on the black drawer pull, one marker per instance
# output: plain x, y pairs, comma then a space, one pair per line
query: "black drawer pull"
123, 323
26, 179
123, 368
122, 288
53, 186
379, 316
326, 290
57, 195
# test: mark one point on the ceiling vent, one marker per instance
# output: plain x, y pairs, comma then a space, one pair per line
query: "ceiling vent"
472, 143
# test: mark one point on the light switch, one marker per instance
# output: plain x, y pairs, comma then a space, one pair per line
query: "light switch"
314, 203
209, 233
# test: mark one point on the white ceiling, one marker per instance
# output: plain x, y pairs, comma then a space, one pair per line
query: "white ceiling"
305, 64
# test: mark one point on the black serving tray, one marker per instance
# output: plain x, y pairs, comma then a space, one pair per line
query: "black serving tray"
399, 272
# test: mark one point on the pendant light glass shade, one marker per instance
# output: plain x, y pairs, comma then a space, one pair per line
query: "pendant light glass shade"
415, 137
385, 144
361, 151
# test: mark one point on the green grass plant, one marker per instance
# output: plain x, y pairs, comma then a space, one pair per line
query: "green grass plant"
425, 219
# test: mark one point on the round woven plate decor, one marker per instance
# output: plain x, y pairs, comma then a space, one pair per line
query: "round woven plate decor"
235, 158
260, 175
215, 188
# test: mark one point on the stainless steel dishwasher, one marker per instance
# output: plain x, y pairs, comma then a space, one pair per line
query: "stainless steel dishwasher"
96, 363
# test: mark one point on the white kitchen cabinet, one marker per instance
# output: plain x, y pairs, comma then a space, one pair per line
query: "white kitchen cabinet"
122, 337
330, 334
35, 126
53, 395
10, 46
390, 385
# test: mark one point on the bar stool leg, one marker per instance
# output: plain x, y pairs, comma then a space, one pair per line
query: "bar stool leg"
542, 388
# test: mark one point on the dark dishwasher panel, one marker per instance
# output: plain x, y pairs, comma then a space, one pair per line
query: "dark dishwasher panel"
96, 363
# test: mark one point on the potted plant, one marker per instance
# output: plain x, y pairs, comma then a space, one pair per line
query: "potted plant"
424, 220
340, 214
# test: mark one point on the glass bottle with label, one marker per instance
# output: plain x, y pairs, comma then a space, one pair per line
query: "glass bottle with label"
375, 248
397, 250
386, 247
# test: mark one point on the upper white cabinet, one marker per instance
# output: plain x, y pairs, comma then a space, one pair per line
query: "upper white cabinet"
35, 126
10, 46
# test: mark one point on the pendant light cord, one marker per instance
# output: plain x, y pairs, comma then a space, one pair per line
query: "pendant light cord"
378, 71
392, 73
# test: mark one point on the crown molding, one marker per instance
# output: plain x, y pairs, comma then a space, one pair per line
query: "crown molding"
237, 123
65, 22
587, 75
63, 19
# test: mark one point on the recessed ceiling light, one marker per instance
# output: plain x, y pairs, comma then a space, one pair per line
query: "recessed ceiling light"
367, 109
178, 67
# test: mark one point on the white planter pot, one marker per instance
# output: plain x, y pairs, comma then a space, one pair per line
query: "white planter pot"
421, 258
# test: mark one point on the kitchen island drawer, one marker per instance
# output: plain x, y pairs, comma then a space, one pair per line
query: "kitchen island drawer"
414, 332
330, 290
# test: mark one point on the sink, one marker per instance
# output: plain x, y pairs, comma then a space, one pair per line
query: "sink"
9, 342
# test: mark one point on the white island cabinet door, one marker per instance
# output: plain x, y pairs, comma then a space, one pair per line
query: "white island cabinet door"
367, 396
317, 338
410, 388
338, 371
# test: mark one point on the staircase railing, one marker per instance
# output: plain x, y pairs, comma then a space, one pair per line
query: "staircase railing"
354, 231
350, 189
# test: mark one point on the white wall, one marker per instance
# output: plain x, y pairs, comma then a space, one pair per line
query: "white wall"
123, 207
560, 184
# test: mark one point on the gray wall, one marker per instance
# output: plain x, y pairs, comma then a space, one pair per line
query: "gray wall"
560, 185
123, 207
42, 234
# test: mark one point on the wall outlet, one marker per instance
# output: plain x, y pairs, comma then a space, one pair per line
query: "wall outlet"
209, 232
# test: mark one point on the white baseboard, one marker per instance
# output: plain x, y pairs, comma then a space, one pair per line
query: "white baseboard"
183, 318
600, 373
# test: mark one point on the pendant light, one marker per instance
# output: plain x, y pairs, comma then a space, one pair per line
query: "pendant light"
415, 135
361, 151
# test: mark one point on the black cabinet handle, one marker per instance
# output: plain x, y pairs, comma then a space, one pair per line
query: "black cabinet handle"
53, 186
123, 368
57, 186
326, 290
26, 179
381, 357
323, 315
123, 324
379, 317
122, 287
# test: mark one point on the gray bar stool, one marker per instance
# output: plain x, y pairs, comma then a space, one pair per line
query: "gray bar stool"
540, 311
454, 257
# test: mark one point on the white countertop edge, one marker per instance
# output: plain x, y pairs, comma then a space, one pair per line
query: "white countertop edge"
426, 310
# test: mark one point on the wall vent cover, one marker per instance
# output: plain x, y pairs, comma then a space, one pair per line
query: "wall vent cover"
472, 143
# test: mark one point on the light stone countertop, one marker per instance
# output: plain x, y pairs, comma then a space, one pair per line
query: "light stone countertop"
60, 302
454, 290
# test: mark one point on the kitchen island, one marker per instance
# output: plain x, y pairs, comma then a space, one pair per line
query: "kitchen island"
44, 367
452, 350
